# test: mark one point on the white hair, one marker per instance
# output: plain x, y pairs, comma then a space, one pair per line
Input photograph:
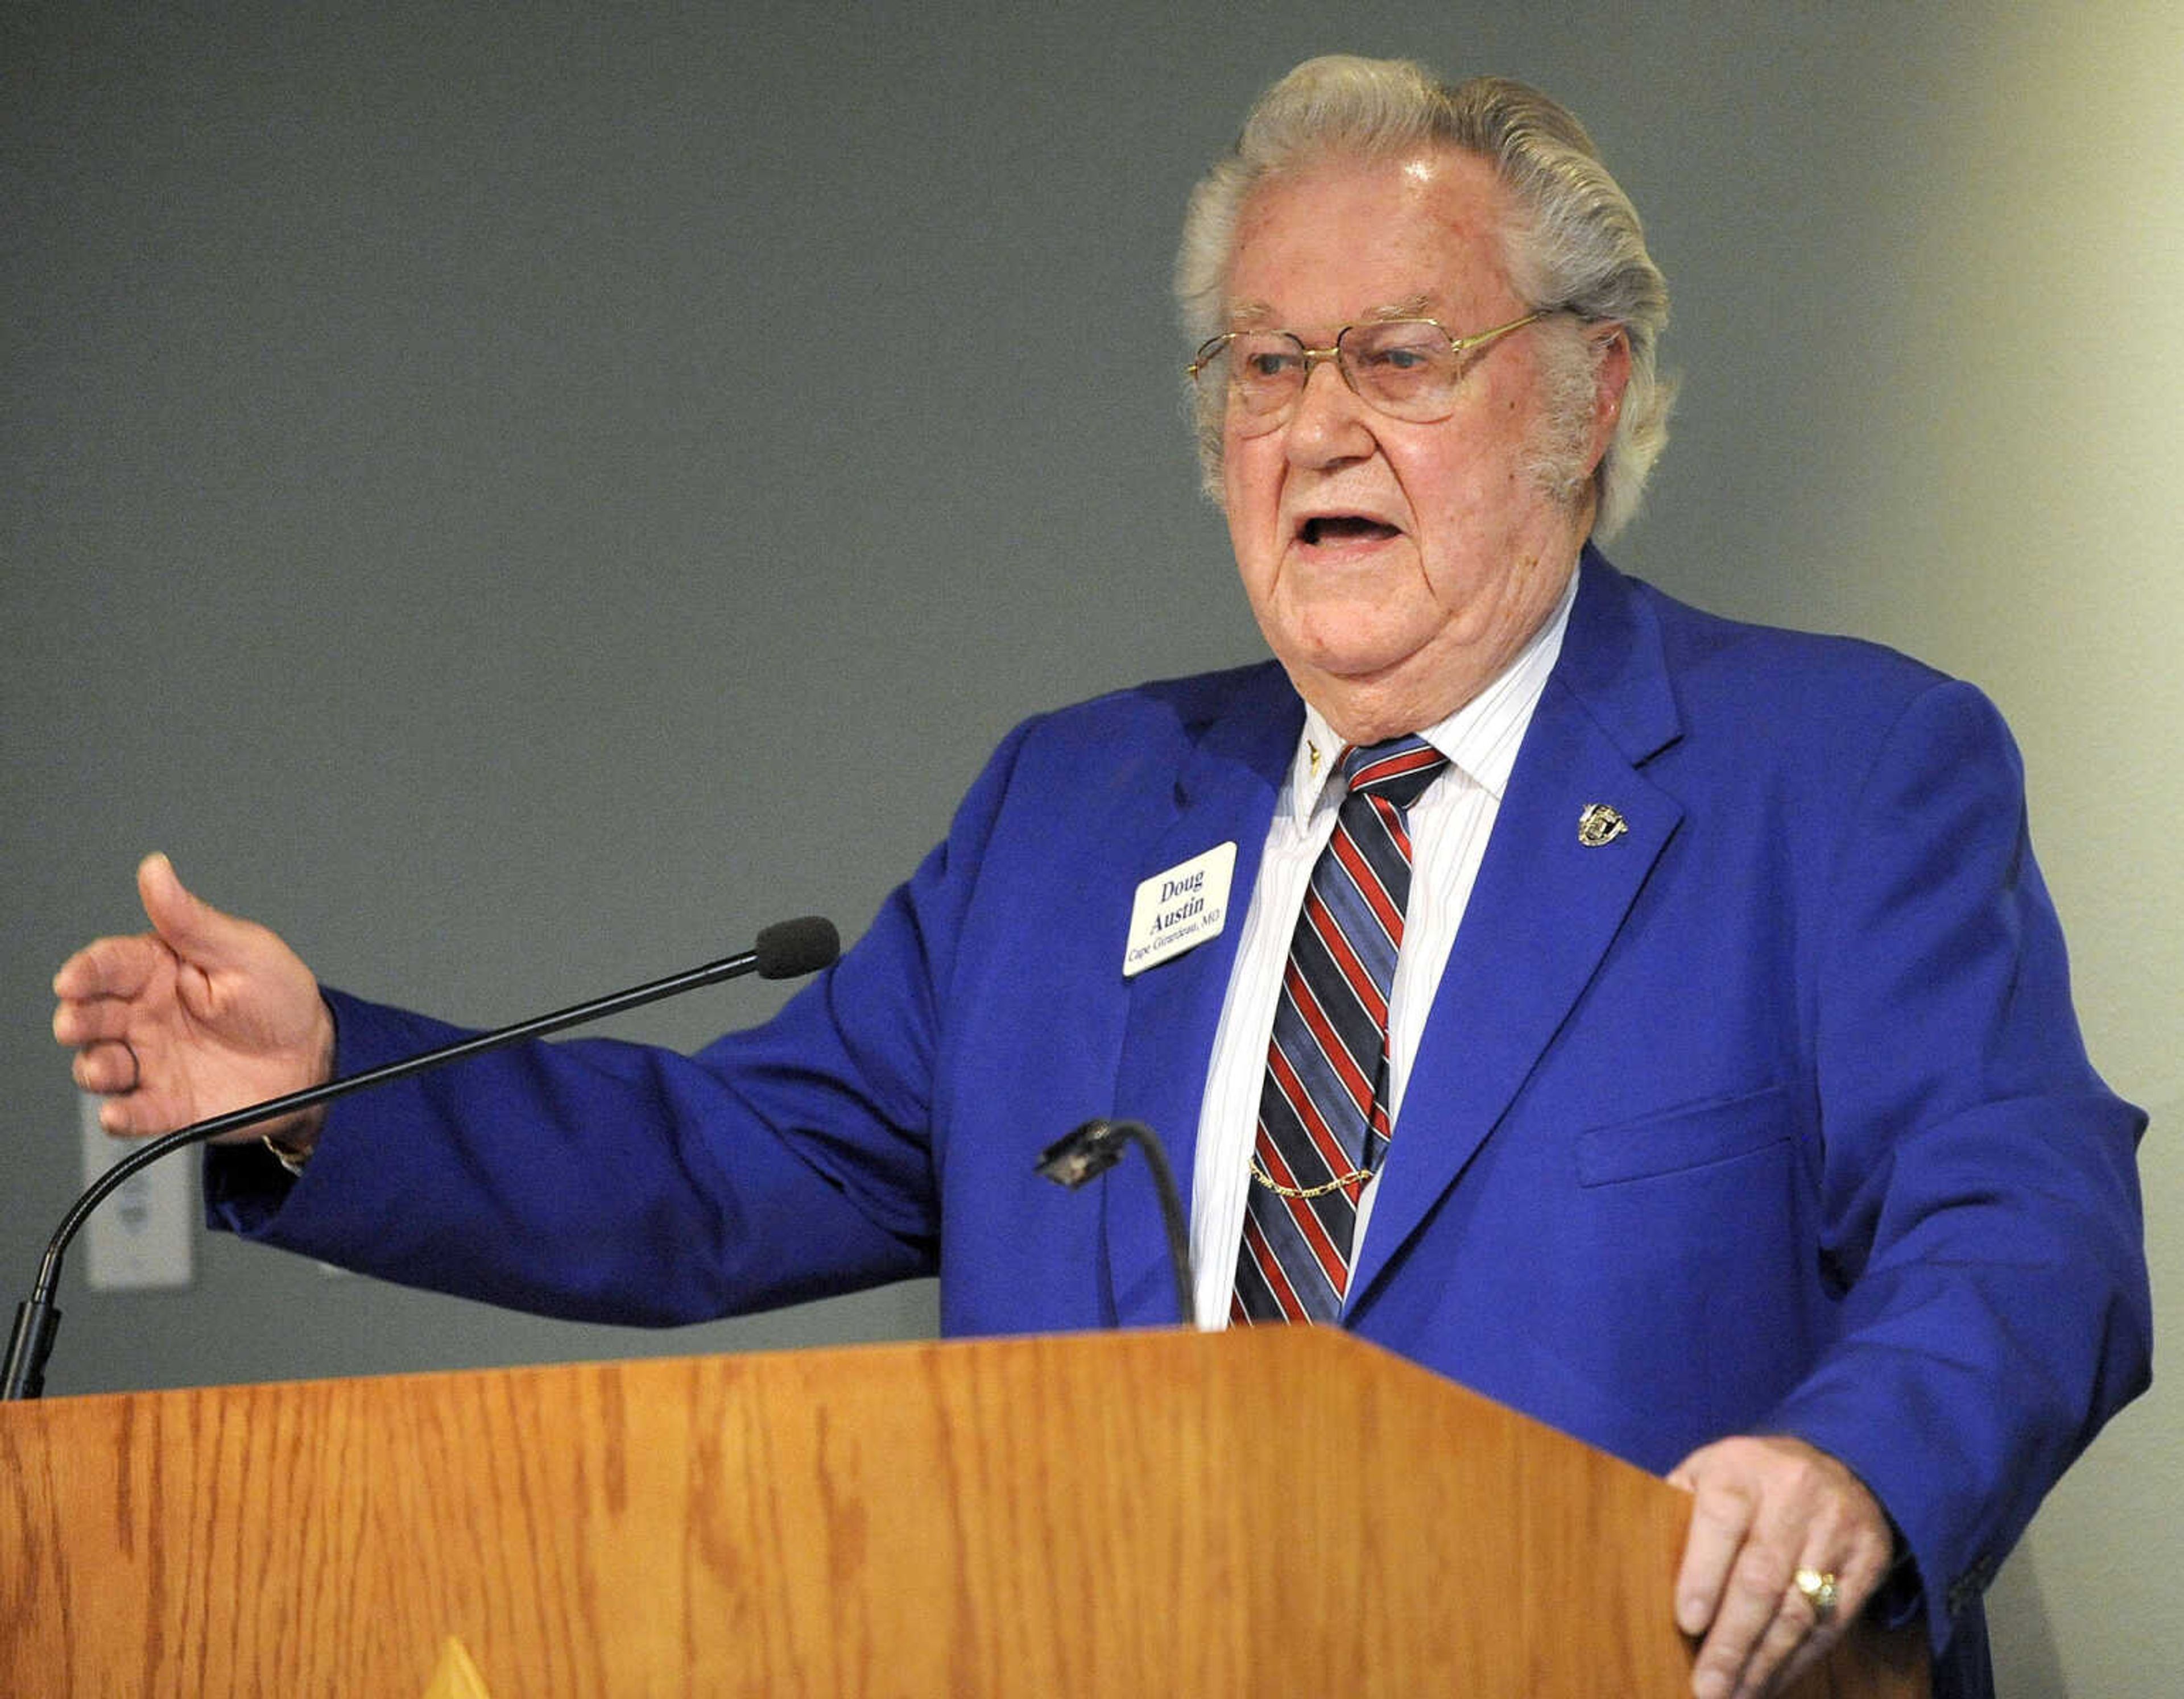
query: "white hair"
1576, 244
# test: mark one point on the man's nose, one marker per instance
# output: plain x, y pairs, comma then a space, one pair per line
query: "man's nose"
1327, 424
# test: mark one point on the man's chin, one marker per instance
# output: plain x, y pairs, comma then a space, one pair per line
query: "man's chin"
1361, 695
1357, 650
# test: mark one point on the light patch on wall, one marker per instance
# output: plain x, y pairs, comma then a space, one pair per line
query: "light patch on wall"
2029, 514
2040, 462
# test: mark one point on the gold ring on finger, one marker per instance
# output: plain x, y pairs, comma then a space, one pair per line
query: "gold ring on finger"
1817, 1588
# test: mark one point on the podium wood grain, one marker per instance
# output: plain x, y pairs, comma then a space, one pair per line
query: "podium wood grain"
1283, 1511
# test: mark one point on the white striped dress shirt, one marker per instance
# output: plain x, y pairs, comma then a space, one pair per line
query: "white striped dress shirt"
1450, 826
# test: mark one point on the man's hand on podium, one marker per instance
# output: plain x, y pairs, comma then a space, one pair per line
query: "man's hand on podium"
1786, 1546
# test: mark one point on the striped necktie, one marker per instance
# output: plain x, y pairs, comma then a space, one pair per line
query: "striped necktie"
1322, 1111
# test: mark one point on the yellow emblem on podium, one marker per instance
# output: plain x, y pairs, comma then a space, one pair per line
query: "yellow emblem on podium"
455, 1677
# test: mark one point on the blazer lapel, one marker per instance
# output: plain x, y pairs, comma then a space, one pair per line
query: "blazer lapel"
1225, 792
1547, 905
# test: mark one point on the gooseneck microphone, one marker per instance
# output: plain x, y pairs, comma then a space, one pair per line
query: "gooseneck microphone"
788, 949
1088, 1150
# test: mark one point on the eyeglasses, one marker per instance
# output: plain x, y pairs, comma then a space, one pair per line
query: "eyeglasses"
1408, 368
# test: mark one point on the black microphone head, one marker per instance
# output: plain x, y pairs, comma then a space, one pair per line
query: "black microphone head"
790, 949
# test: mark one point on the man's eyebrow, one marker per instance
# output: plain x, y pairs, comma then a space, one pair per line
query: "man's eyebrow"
1259, 314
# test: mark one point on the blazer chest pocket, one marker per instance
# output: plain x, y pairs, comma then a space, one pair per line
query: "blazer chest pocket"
1692, 1135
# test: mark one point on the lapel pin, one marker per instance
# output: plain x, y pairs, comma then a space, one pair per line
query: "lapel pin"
1600, 824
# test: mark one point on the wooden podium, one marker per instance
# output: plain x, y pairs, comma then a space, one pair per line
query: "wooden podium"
1282, 1511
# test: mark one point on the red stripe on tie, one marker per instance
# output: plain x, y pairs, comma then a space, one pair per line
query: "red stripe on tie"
1328, 931
1344, 849
1324, 1143
1347, 1068
1398, 824
1271, 1271
1332, 1262
1391, 767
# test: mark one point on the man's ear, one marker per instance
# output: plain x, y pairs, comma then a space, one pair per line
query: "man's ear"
1611, 376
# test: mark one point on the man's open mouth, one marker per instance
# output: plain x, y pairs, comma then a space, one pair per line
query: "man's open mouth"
1345, 527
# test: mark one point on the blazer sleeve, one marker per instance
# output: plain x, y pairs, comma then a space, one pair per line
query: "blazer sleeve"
608, 1181
1979, 1190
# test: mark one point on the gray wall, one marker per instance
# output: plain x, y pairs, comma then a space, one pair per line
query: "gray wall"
417, 516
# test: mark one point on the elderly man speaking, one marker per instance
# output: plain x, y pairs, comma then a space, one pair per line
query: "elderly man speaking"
1655, 1023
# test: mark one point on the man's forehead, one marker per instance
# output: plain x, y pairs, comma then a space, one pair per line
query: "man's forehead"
1411, 235
1453, 181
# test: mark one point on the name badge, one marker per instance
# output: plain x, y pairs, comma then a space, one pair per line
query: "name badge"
1179, 910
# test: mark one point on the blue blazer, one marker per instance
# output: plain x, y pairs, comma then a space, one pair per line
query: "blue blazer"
1769, 1114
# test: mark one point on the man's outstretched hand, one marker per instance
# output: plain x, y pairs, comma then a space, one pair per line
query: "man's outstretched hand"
203, 1014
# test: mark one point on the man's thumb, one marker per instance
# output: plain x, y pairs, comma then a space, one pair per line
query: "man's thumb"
194, 929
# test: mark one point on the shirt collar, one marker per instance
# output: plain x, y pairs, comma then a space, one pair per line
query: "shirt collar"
1480, 738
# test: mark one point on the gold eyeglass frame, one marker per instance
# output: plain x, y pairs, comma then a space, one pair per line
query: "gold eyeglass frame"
1458, 347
